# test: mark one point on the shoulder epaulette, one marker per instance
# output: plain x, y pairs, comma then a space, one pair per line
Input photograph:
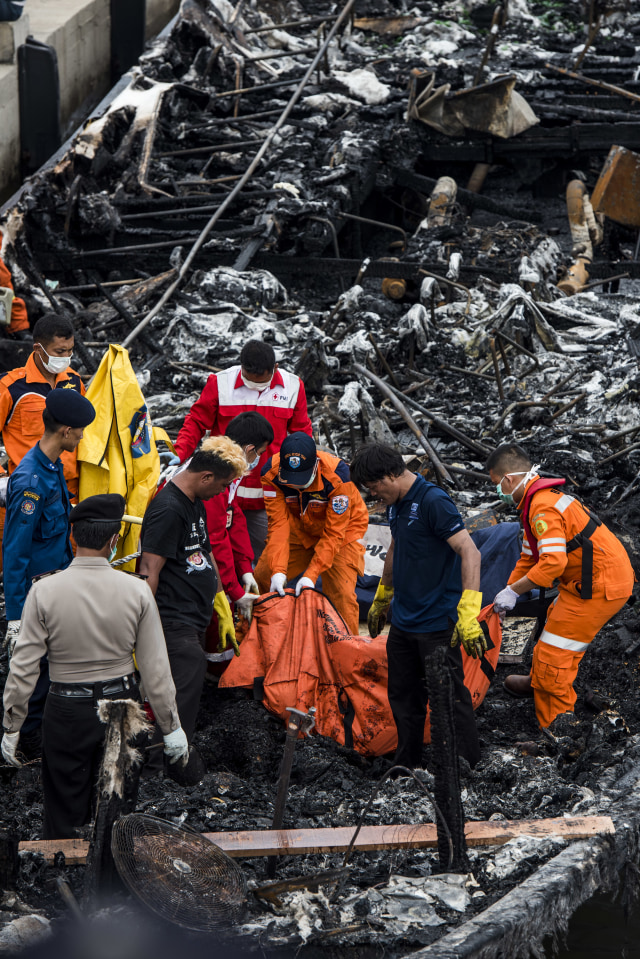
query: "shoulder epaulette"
51, 572
130, 572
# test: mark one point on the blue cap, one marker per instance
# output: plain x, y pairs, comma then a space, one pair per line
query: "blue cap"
297, 459
70, 408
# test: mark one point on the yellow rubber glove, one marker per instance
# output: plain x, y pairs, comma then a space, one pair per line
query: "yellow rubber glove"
468, 630
377, 615
226, 629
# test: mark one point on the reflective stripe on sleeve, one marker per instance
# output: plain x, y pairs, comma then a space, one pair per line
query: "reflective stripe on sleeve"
552, 539
526, 550
252, 492
553, 549
564, 501
270, 493
561, 642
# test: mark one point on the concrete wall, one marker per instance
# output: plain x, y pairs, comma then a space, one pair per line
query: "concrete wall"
79, 30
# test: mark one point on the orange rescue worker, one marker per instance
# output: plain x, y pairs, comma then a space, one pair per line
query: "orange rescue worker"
24, 390
317, 519
564, 543
13, 312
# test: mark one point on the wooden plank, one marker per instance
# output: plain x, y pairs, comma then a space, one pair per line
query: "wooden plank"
301, 842
75, 850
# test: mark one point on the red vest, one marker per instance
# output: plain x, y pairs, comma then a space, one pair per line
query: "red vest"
537, 485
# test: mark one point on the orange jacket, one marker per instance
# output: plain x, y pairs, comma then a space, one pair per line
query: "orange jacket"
19, 320
555, 518
324, 517
23, 392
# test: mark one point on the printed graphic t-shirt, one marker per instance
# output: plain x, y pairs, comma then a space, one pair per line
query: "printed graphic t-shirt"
426, 571
176, 528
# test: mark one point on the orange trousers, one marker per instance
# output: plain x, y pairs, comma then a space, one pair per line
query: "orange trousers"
338, 582
571, 621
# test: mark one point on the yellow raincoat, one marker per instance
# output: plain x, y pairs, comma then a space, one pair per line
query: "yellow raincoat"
117, 453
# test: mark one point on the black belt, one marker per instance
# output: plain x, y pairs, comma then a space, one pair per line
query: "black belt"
96, 690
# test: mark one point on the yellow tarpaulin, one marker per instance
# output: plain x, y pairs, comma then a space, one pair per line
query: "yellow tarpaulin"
118, 453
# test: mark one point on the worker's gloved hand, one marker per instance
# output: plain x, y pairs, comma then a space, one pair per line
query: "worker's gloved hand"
278, 583
8, 746
226, 629
468, 630
304, 583
249, 583
176, 746
167, 458
244, 605
505, 600
377, 615
11, 636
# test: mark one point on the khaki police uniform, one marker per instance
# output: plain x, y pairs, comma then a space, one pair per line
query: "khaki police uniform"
88, 618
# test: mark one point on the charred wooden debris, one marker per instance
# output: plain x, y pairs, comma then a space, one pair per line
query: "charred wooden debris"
431, 212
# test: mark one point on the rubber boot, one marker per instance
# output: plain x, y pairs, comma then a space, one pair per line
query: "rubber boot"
518, 685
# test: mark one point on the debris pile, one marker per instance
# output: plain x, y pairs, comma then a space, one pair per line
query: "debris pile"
422, 204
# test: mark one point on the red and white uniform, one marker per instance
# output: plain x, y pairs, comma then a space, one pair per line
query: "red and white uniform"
283, 402
229, 538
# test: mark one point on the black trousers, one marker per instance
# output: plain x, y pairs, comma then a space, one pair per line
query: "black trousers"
408, 694
72, 745
185, 646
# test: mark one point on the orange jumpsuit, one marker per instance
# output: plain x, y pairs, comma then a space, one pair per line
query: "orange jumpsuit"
19, 320
316, 531
554, 518
23, 393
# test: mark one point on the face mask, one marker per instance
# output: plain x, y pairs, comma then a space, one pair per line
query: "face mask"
313, 476
55, 364
251, 385
254, 462
114, 550
508, 497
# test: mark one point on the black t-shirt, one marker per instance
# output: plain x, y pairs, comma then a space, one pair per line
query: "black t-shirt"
176, 528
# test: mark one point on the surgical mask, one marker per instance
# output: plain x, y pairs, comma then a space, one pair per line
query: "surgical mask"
252, 385
313, 476
55, 364
254, 462
114, 550
526, 476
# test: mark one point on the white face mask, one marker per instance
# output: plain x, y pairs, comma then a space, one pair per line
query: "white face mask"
252, 385
55, 364
254, 462
313, 476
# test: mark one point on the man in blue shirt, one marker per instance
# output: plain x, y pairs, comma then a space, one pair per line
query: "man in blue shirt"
36, 529
432, 572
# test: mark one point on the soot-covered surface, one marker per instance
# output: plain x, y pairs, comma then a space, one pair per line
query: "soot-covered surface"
270, 269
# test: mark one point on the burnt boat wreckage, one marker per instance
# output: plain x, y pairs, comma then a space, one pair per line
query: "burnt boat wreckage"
426, 256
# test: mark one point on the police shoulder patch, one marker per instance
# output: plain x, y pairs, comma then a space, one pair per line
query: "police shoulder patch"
28, 507
339, 504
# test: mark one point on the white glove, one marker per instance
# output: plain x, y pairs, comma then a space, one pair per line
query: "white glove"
245, 605
278, 581
8, 746
11, 636
249, 583
505, 600
176, 746
304, 583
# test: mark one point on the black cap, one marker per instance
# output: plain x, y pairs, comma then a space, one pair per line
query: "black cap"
297, 459
104, 508
70, 408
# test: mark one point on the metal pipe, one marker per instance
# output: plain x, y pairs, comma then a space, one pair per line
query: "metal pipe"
386, 226
594, 83
453, 431
441, 470
246, 176
458, 286
233, 147
312, 21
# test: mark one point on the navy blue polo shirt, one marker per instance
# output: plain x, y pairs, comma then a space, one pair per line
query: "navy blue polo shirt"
426, 571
